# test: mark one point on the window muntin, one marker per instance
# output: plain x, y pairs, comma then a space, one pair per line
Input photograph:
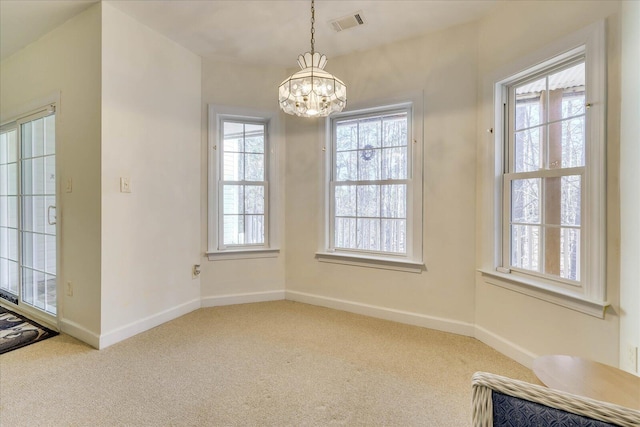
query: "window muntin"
544, 181
243, 184
370, 183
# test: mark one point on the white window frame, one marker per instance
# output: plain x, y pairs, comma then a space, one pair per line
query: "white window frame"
216, 249
589, 294
412, 260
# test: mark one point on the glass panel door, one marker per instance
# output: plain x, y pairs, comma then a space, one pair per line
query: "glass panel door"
28, 213
9, 215
38, 197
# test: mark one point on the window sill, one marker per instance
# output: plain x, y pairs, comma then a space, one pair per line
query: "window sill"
371, 262
243, 254
545, 292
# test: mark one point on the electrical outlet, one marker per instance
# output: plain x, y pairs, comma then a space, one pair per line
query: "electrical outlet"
125, 185
69, 186
69, 289
195, 271
632, 357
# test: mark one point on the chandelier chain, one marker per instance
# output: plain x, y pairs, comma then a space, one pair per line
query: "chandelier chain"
313, 30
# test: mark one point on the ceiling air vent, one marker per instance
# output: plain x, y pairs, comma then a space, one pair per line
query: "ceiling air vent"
346, 22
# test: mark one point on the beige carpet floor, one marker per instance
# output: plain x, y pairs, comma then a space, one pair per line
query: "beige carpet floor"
274, 364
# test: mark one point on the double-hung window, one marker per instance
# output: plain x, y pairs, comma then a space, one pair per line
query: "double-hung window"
553, 228
240, 175
373, 189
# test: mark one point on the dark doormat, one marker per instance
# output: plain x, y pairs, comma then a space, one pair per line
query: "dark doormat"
17, 331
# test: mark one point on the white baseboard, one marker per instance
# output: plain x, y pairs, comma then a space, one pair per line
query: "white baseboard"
79, 332
506, 347
232, 299
147, 323
416, 319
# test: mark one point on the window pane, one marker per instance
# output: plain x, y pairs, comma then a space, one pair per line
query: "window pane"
34, 213
33, 176
3, 148
254, 229
9, 276
50, 135
368, 200
567, 143
12, 179
552, 188
525, 201
529, 104
573, 104
369, 133
347, 136
527, 154
571, 194
347, 166
12, 240
4, 180
233, 136
368, 164
395, 131
233, 229
394, 163
394, 201
254, 138
394, 235
570, 254
525, 247
254, 167
12, 211
37, 138
345, 200
233, 202
33, 250
571, 81
368, 234
254, 199
233, 167
345, 233
50, 175
50, 260
12, 149
13, 277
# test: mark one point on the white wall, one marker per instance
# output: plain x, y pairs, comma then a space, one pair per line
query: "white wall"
228, 84
518, 325
67, 60
443, 65
151, 95
629, 189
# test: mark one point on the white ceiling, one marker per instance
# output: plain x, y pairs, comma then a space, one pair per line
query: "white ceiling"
270, 32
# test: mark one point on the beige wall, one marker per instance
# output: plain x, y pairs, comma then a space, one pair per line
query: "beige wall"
67, 60
629, 189
241, 86
150, 134
444, 66
519, 325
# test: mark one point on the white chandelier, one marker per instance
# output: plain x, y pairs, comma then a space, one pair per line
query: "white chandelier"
312, 92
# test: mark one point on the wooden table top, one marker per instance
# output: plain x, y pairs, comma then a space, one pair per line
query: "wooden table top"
588, 378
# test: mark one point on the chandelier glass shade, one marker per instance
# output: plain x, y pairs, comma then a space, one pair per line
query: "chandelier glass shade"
312, 92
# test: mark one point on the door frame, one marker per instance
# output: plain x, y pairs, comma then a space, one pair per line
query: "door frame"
51, 102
